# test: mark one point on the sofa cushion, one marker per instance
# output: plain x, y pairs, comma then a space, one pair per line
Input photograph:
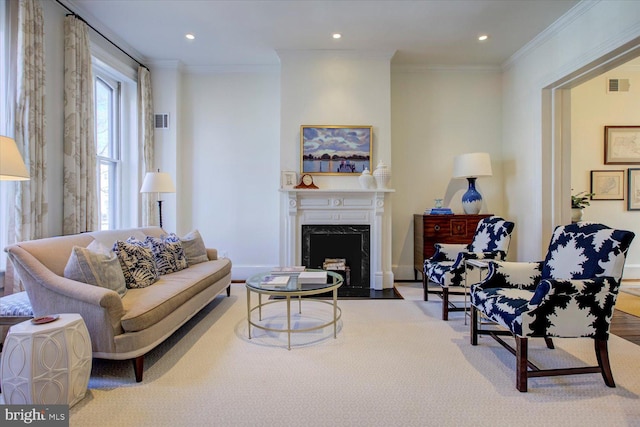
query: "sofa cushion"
96, 268
194, 248
145, 307
137, 264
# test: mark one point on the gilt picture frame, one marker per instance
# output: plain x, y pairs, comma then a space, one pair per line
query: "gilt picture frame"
622, 145
607, 184
335, 149
633, 186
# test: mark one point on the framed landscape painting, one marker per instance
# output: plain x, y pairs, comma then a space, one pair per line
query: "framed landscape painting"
335, 150
622, 145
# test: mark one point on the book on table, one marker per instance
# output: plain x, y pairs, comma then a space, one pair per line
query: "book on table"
293, 270
312, 277
274, 281
439, 211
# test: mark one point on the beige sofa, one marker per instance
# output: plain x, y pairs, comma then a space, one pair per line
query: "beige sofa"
120, 327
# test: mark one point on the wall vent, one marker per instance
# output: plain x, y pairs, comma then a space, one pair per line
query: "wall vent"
162, 121
618, 85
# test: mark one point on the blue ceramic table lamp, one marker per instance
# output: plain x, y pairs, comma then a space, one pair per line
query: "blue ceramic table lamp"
472, 166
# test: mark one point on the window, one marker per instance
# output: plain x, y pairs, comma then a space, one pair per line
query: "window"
107, 123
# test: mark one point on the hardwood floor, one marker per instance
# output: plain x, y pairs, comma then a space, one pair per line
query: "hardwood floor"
626, 326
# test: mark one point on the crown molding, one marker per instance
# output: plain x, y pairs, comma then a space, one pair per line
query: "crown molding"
166, 64
552, 30
409, 68
385, 55
240, 68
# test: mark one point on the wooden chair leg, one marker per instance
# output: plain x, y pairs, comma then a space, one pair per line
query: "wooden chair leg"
445, 303
602, 354
138, 367
425, 281
549, 343
521, 363
474, 326
229, 290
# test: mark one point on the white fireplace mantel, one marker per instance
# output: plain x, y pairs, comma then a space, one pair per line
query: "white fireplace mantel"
340, 207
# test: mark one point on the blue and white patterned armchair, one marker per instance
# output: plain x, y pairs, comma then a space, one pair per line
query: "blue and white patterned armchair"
571, 294
446, 267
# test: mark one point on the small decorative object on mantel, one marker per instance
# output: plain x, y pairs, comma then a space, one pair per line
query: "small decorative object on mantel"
367, 181
306, 181
382, 175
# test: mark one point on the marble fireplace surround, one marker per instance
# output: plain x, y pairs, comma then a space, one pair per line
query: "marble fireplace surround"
341, 207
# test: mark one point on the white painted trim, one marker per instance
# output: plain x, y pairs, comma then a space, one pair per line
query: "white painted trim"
337, 53
408, 68
549, 32
224, 69
341, 206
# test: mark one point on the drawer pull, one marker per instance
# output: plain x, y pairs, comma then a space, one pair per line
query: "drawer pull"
436, 227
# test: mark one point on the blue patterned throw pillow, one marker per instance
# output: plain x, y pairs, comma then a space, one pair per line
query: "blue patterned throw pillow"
167, 253
137, 263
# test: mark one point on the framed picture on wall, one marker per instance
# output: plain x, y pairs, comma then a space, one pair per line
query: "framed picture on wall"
607, 185
335, 150
633, 184
622, 145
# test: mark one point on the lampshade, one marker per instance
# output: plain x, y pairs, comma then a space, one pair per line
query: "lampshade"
472, 165
12, 167
157, 182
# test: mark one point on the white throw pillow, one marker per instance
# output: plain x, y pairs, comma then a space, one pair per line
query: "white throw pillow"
95, 268
193, 247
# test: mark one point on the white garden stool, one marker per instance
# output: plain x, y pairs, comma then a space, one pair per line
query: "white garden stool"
46, 364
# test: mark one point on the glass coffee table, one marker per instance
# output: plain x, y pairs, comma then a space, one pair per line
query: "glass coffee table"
293, 289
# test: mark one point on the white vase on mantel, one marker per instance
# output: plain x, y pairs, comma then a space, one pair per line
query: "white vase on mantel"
367, 181
382, 175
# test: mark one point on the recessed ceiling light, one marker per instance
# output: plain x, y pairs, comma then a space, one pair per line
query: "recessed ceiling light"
336, 35
483, 37
190, 36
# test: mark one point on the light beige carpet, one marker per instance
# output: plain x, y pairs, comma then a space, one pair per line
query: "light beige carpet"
394, 363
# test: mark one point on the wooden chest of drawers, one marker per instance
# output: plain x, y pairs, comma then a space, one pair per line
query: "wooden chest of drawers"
431, 229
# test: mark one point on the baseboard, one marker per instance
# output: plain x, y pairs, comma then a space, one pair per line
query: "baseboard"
631, 271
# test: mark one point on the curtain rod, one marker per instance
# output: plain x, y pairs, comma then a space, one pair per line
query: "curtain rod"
71, 12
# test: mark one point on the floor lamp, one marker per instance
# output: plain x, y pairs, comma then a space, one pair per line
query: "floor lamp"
158, 182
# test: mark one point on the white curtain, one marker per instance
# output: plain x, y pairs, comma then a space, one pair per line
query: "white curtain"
30, 216
145, 131
80, 198
28, 219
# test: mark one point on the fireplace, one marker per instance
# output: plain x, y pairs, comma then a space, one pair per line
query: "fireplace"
350, 242
340, 214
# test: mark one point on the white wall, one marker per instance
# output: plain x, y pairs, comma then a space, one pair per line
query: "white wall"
587, 33
592, 108
437, 114
334, 88
229, 151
